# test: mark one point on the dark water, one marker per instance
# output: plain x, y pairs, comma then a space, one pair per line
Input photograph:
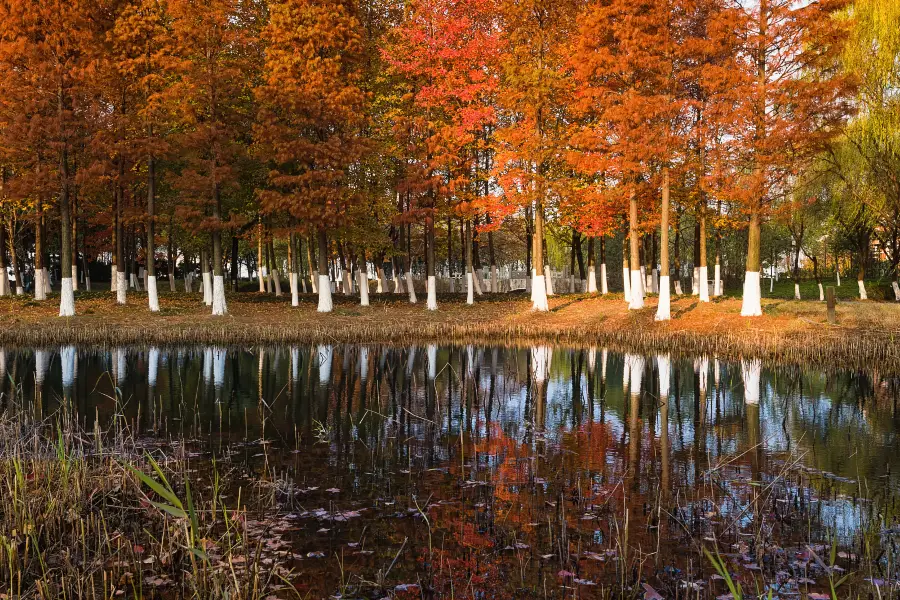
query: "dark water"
543, 471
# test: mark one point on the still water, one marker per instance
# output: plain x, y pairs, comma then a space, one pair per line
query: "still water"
533, 468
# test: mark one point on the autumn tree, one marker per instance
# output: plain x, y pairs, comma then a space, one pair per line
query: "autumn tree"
534, 96
311, 113
794, 100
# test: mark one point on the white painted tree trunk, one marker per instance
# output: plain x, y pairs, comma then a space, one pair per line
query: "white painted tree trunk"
411, 287
717, 282
381, 283
4, 281
67, 298
664, 307
677, 286
796, 291
363, 364
771, 283
207, 288
862, 290
295, 292
347, 285
470, 288
314, 282
152, 294
626, 284
548, 280
750, 372
592, 282
655, 281
476, 276
152, 367
494, 280
121, 288
326, 354
604, 284
276, 279
703, 283
541, 357
219, 355
530, 288
539, 294
431, 354
637, 375
74, 278
171, 282
363, 288
398, 282
303, 285
431, 293
219, 307
572, 283
636, 299
325, 303
751, 305
68, 360
665, 375
893, 285
695, 287
261, 276
822, 293
837, 274
39, 292
112, 278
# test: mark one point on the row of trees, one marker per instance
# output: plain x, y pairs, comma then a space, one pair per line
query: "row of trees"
142, 129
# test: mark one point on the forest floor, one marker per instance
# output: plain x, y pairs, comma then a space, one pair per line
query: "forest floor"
789, 330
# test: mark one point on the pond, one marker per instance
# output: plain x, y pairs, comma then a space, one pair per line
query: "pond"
496, 472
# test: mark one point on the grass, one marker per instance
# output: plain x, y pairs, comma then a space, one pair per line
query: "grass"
82, 518
789, 331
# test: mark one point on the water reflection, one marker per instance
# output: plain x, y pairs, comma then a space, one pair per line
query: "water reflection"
538, 450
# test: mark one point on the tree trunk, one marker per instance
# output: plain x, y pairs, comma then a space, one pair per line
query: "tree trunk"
626, 269
294, 272
470, 283
325, 302
591, 268
431, 282
121, 282
664, 307
604, 284
260, 273
39, 292
752, 300
152, 295
539, 283
4, 278
171, 253
703, 276
676, 262
636, 300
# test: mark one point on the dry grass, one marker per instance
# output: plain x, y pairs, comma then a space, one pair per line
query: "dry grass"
789, 331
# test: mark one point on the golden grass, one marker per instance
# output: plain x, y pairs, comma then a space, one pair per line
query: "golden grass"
789, 331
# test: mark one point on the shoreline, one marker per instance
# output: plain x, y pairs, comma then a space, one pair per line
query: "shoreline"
788, 332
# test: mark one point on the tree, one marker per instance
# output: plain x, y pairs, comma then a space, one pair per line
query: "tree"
311, 113
794, 101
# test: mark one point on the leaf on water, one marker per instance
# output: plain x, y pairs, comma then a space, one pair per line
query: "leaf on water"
316, 554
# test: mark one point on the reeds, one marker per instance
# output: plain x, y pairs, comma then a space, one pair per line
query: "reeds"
812, 348
75, 521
